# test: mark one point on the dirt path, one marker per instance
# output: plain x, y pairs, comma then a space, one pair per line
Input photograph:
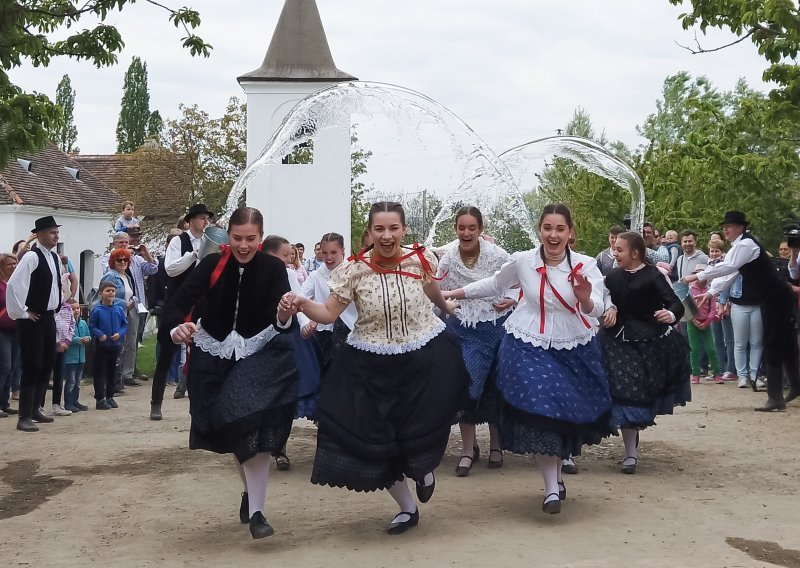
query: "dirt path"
718, 485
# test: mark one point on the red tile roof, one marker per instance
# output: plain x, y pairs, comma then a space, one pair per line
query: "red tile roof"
49, 184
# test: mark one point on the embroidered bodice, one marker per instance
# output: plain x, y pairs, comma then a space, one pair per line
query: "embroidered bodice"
549, 315
455, 274
394, 314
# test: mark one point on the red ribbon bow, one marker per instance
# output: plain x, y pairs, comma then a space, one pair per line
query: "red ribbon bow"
544, 281
416, 249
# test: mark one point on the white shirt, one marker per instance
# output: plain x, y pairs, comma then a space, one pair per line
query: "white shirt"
794, 272
561, 327
316, 288
725, 272
20, 282
174, 263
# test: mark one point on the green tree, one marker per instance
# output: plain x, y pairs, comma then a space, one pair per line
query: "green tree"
359, 206
155, 124
36, 31
65, 134
773, 26
727, 154
134, 114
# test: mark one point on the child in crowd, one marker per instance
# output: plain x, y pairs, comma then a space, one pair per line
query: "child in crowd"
699, 331
126, 220
109, 325
674, 248
74, 360
65, 329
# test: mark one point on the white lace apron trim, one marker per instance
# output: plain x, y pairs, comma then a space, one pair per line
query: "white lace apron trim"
233, 346
396, 348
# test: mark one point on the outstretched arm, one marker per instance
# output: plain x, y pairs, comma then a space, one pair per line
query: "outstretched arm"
320, 313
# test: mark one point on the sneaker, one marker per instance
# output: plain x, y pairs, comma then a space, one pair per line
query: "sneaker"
761, 383
719, 380
15, 395
568, 466
728, 376
112, 403
81, 407
695, 380
59, 410
744, 383
102, 405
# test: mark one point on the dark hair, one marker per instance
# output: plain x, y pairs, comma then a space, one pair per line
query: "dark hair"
273, 243
333, 238
688, 233
557, 209
616, 230
470, 210
126, 203
245, 215
300, 245
386, 207
105, 284
636, 243
364, 238
15, 248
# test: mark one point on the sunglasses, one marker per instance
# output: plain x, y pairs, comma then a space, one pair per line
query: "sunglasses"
121, 261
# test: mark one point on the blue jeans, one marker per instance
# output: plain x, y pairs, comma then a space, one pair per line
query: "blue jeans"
73, 373
748, 329
9, 367
723, 344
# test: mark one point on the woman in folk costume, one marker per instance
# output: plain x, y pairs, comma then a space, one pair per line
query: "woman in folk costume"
646, 360
242, 372
392, 392
549, 374
479, 324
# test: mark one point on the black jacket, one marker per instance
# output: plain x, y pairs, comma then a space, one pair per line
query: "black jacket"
258, 289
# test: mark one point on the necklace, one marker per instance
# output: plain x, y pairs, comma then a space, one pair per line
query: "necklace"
555, 258
470, 261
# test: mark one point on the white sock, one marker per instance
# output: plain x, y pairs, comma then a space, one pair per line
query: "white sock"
427, 481
256, 472
402, 496
629, 438
549, 467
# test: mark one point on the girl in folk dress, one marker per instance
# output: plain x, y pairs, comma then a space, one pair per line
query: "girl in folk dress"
550, 374
392, 391
646, 360
242, 372
479, 324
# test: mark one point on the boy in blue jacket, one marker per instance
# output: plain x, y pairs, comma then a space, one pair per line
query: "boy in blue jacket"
109, 325
74, 360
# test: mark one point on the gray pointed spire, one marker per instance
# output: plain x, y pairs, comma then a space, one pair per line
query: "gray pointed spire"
299, 49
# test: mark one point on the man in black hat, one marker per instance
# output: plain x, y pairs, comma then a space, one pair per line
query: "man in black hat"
179, 261
32, 297
764, 286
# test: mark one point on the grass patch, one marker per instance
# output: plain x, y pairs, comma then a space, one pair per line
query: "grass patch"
146, 357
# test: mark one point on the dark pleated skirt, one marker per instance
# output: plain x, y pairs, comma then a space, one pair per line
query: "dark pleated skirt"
647, 378
243, 407
555, 400
479, 347
385, 417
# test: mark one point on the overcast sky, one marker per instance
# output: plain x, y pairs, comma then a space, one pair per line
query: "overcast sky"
513, 70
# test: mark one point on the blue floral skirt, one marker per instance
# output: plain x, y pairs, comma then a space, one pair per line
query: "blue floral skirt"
479, 347
555, 400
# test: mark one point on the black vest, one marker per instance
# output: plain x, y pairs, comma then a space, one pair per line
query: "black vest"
41, 283
175, 281
759, 278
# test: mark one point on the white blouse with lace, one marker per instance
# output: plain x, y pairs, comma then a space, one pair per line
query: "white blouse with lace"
316, 288
455, 274
543, 319
394, 314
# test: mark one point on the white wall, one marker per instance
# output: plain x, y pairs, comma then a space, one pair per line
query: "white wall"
80, 232
299, 201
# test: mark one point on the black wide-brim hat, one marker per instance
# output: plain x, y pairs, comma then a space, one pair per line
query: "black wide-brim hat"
198, 209
43, 223
735, 218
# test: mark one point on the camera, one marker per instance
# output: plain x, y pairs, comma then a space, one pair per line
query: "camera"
792, 234
626, 220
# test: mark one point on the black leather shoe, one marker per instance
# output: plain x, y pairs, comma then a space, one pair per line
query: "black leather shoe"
39, 417
11, 411
244, 509
155, 412
425, 492
399, 527
463, 470
179, 394
553, 506
771, 405
259, 527
562, 491
630, 468
26, 425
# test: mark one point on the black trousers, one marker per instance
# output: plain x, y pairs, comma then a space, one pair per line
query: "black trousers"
166, 351
105, 366
58, 379
780, 342
37, 343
